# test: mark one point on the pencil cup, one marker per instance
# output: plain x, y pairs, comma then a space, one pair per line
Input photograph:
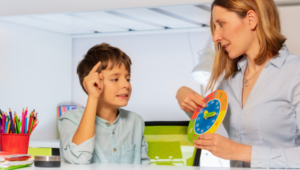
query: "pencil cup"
14, 143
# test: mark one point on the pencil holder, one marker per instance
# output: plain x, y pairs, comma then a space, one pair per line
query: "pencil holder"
14, 143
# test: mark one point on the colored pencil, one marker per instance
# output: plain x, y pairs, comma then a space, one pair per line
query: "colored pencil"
29, 123
11, 121
31, 127
6, 122
26, 111
8, 127
17, 123
23, 119
20, 125
14, 124
25, 130
3, 123
34, 126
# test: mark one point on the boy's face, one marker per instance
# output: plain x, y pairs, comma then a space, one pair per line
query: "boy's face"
116, 87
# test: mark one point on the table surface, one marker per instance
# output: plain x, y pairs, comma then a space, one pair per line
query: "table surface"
44, 143
66, 166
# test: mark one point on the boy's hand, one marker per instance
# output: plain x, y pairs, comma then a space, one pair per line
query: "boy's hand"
93, 82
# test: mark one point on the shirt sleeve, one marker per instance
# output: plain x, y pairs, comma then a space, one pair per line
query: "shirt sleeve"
144, 148
144, 155
72, 153
265, 157
188, 114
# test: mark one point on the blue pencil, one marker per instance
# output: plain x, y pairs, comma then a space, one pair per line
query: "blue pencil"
26, 124
6, 122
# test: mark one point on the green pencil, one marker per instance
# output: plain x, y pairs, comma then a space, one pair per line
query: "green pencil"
17, 123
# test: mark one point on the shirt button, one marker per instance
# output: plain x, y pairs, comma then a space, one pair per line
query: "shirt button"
107, 123
113, 132
115, 149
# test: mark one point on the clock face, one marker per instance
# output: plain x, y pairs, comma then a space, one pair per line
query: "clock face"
207, 120
207, 116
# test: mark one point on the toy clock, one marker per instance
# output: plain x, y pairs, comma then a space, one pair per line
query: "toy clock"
208, 120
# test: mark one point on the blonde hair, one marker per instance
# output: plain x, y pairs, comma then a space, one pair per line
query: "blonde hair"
268, 32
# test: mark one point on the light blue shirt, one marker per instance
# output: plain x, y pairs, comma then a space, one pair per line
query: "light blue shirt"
270, 119
122, 142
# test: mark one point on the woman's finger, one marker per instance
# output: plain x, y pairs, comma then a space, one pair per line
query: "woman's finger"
207, 136
198, 99
200, 142
191, 109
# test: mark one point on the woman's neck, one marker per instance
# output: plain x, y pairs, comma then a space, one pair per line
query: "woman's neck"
107, 112
251, 54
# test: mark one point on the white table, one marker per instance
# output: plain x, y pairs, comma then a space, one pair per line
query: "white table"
44, 143
66, 166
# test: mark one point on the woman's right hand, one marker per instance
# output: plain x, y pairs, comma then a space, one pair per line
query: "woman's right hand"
93, 82
189, 100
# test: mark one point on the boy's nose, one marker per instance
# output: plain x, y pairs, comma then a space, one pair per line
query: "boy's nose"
126, 84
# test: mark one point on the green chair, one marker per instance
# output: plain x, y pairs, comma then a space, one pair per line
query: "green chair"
168, 144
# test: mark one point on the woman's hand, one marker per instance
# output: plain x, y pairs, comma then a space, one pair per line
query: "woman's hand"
223, 147
93, 82
189, 100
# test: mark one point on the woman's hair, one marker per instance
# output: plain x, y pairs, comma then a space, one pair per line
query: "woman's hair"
268, 33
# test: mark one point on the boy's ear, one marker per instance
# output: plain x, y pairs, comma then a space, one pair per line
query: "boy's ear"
83, 83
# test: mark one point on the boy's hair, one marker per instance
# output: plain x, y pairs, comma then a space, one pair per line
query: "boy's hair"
108, 55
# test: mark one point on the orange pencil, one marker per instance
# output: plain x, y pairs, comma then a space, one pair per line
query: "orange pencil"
34, 126
35, 119
8, 127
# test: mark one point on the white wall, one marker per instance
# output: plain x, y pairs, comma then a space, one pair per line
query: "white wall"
25, 7
35, 72
290, 25
162, 63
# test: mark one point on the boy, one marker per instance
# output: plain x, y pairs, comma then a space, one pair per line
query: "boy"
103, 132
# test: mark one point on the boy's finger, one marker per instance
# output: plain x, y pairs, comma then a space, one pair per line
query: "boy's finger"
98, 84
95, 68
101, 76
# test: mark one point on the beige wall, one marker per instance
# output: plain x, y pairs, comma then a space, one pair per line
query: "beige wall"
290, 25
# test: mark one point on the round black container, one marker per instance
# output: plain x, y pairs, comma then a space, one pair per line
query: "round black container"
47, 161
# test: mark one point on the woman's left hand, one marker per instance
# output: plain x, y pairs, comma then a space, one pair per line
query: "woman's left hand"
223, 147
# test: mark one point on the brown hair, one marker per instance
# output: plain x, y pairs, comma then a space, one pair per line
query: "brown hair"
268, 33
108, 55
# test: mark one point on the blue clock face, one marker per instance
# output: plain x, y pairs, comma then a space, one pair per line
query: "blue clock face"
207, 116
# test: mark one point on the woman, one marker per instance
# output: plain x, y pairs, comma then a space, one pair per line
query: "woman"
262, 81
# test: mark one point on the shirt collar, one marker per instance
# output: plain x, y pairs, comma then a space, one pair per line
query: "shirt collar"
104, 122
242, 63
277, 61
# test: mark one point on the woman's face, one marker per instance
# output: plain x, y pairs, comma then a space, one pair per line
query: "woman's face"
234, 34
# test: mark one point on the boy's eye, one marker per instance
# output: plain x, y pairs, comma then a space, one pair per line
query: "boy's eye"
221, 24
128, 80
114, 79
